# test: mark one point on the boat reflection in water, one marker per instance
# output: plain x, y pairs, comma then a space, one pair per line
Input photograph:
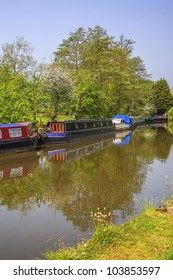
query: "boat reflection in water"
122, 138
17, 165
71, 151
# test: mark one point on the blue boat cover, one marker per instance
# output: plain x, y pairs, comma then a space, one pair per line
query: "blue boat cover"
125, 118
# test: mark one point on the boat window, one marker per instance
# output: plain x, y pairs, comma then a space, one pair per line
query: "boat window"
76, 125
61, 127
0, 134
57, 127
54, 127
15, 132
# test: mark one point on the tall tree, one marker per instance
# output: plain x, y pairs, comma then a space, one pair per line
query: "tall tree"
96, 61
18, 56
162, 97
69, 53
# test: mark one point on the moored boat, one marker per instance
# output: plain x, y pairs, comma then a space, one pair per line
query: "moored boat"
58, 132
156, 119
121, 122
160, 118
17, 137
136, 120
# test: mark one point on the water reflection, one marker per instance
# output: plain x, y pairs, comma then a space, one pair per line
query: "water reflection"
62, 185
76, 150
122, 138
17, 165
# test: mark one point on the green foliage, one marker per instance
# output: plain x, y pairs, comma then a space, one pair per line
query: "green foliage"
18, 56
162, 97
170, 115
86, 102
107, 78
92, 76
20, 99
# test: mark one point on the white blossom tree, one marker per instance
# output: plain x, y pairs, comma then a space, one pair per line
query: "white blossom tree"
58, 85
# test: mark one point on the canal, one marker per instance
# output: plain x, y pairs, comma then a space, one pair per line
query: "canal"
47, 196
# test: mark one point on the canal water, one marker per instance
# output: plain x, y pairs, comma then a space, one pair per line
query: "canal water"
47, 196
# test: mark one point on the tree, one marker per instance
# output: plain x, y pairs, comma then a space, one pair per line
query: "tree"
20, 99
18, 56
69, 54
58, 85
162, 97
96, 61
86, 103
12, 96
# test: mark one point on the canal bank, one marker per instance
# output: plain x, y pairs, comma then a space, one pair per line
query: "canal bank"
148, 236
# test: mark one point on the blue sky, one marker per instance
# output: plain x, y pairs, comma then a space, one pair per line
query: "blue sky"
45, 23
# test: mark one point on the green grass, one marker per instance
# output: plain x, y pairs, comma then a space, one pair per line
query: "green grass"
148, 236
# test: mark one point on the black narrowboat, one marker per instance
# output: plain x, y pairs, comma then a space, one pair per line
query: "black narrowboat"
58, 132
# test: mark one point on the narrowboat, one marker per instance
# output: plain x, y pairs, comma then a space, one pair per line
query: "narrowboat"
121, 122
137, 120
160, 118
58, 132
156, 119
17, 137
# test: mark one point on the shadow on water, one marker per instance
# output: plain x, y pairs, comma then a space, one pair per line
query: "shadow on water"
59, 187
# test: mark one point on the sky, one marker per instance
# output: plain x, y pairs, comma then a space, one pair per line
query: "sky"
45, 23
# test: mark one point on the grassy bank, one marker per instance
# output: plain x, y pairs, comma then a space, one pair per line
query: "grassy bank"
146, 237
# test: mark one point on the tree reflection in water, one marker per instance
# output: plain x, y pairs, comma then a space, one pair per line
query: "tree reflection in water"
108, 178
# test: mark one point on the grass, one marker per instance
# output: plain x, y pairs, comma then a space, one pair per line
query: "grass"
146, 237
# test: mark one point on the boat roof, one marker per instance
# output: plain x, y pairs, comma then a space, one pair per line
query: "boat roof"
14, 124
75, 121
125, 118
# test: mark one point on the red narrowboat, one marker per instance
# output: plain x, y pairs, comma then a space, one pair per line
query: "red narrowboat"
17, 137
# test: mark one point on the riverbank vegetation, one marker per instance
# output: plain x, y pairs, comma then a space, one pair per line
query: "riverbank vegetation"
145, 237
92, 75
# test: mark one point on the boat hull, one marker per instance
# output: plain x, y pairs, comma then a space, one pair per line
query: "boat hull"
18, 145
78, 130
76, 137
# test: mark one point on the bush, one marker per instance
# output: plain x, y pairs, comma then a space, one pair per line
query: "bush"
170, 114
